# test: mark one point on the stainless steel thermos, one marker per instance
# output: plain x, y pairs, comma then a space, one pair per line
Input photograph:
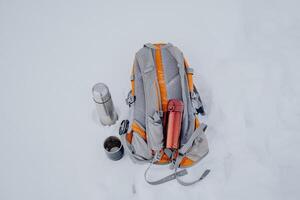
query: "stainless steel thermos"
104, 105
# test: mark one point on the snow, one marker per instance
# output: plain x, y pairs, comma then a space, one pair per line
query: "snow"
246, 59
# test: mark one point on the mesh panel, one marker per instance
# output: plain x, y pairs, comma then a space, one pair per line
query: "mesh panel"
171, 75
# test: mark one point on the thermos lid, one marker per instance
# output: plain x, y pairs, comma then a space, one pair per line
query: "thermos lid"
100, 93
175, 105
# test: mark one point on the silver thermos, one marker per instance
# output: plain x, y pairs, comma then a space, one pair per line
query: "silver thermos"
104, 105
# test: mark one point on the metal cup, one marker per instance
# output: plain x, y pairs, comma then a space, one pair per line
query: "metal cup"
104, 105
113, 148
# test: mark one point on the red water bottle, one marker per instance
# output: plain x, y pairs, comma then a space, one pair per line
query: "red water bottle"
175, 110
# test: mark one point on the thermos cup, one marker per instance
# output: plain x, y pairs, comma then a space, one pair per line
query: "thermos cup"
113, 148
175, 110
104, 105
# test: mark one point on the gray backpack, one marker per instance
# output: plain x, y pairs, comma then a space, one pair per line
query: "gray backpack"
160, 73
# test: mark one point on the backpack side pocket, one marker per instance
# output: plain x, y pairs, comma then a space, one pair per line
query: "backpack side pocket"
197, 151
155, 132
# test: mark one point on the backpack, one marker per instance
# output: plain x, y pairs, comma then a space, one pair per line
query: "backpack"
161, 73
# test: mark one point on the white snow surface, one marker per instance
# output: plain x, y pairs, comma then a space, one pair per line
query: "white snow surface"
246, 56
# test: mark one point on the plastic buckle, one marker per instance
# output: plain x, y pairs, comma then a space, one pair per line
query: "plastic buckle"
157, 156
124, 127
161, 113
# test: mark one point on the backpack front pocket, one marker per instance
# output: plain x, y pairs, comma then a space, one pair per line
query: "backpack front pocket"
197, 151
155, 132
139, 146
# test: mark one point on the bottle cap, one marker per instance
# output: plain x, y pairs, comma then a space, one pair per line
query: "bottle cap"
101, 93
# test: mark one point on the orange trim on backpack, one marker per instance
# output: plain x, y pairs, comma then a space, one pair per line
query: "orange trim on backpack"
132, 82
189, 76
197, 122
186, 63
136, 128
129, 137
190, 81
160, 78
158, 100
164, 159
186, 162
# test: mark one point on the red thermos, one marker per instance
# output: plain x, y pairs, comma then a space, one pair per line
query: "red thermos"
175, 110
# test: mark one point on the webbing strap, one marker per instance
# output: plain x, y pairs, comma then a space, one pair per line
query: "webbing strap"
168, 152
161, 77
194, 94
189, 73
200, 130
151, 86
182, 151
189, 70
164, 179
185, 183
132, 81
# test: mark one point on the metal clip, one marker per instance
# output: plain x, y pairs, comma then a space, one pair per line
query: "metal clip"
197, 103
124, 127
130, 99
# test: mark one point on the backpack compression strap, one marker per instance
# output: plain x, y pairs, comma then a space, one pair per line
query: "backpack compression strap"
189, 72
166, 178
194, 94
182, 151
153, 103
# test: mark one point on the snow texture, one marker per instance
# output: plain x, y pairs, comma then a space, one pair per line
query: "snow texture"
246, 60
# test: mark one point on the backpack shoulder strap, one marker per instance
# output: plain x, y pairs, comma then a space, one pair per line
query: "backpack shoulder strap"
147, 66
194, 94
188, 117
135, 99
153, 107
